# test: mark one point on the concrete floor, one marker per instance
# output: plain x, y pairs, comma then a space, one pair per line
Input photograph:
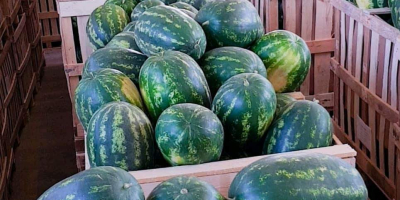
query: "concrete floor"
46, 152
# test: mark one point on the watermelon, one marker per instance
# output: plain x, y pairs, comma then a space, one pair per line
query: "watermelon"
184, 6
172, 78
127, 61
124, 40
245, 104
198, 4
370, 4
222, 63
120, 135
166, 2
143, 6
184, 187
395, 8
127, 5
164, 28
300, 125
298, 176
188, 13
286, 57
230, 23
109, 183
104, 23
130, 27
101, 87
283, 100
189, 134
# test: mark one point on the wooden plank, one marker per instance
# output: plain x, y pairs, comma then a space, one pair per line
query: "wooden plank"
372, 99
273, 16
48, 15
378, 11
289, 16
73, 69
358, 69
45, 23
307, 18
326, 99
86, 48
321, 46
51, 38
78, 8
69, 54
53, 21
349, 69
342, 60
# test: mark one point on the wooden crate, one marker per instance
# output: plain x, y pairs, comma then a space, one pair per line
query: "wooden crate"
366, 83
311, 19
48, 16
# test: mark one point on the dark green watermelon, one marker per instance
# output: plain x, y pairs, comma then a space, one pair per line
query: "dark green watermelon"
190, 14
143, 6
108, 183
130, 27
124, 40
298, 176
127, 61
184, 6
198, 4
300, 125
230, 23
245, 104
286, 57
189, 134
120, 135
101, 87
370, 4
222, 63
164, 28
172, 78
282, 100
104, 23
127, 5
185, 188
395, 8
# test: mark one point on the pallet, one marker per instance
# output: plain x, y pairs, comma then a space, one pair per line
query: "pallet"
48, 17
367, 77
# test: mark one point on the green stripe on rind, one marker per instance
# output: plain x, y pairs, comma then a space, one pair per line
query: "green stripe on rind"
230, 23
172, 78
286, 57
300, 125
189, 134
104, 23
245, 104
127, 61
96, 183
120, 135
143, 6
184, 6
283, 100
188, 13
124, 40
222, 63
101, 87
127, 5
183, 187
395, 7
163, 28
298, 176
130, 27
370, 4
198, 4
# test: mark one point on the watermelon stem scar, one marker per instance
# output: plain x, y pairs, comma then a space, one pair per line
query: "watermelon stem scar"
184, 191
127, 185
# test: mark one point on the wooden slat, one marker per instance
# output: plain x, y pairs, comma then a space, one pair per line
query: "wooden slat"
289, 17
48, 15
306, 33
69, 54
73, 69
273, 21
45, 22
51, 38
378, 11
358, 69
349, 69
321, 46
78, 8
325, 99
53, 21
372, 88
86, 48
342, 60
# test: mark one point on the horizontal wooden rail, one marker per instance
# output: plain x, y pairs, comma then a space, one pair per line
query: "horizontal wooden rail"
51, 38
379, 11
48, 15
321, 46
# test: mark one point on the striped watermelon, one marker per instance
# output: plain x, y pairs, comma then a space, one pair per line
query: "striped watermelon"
143, 6
170, 79
222, 63
127, 5
395, 7
101, 87
286, 57
369, 4
245, 104
124, 40
166, 2
109, 183
104, 23
184, 6
127, 61
300, 125
230, 23
198, 4
188, 13
283, 100
120, 135
298, 176
164, 28
189, 134
130, 27
183, 187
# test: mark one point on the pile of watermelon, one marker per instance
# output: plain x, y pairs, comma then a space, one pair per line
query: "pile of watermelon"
190, 82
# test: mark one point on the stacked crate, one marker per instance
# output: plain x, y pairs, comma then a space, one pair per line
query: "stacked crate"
21, 59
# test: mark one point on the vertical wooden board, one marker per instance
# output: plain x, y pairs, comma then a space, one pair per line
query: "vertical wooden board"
391, 153
45, 22
323, 30
358, 69
342, 63
86, 48
53, 21
394, 76
262, 12
289, 15
307, 21
273, 15
372, 87
365, 69
350, 69
299, 9
69, 54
